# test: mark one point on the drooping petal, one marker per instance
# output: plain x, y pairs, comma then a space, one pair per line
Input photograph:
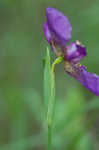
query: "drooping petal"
87, 79
58, 25
75, 52
90, 81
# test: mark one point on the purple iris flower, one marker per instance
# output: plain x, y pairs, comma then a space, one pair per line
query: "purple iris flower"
57, 30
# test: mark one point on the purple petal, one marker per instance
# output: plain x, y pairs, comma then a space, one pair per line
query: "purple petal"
87, 79
90, 81
47, 32
75, 52
55, 46
58, 25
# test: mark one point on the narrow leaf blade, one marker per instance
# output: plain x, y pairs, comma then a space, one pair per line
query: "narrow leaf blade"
47, 79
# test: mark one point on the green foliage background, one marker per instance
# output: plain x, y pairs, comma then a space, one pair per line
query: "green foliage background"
22, 49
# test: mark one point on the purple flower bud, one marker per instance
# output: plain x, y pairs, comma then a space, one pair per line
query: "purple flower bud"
57, 28
75, 52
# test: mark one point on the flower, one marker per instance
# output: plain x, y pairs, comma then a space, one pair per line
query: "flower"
57, 30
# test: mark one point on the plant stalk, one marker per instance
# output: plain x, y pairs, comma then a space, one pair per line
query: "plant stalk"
51, 105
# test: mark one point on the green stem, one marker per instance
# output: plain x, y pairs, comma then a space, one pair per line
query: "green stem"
57, 61
51, 111
52, 102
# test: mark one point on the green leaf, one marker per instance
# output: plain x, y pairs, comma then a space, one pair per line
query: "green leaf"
51, 108
47, 79
49, 95
51, 100
49, 87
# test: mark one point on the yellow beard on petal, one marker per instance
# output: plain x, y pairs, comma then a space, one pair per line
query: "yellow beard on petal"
68, 66
72, 68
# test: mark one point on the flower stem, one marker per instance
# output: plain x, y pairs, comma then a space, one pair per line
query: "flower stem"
52, 102
51, 111
57, 61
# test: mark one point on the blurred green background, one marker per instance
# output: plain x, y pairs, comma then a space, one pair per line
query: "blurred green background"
22, 48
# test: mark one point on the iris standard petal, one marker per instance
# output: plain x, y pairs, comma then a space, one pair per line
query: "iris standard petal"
59, 25
47, 32
75, 52
87, 79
